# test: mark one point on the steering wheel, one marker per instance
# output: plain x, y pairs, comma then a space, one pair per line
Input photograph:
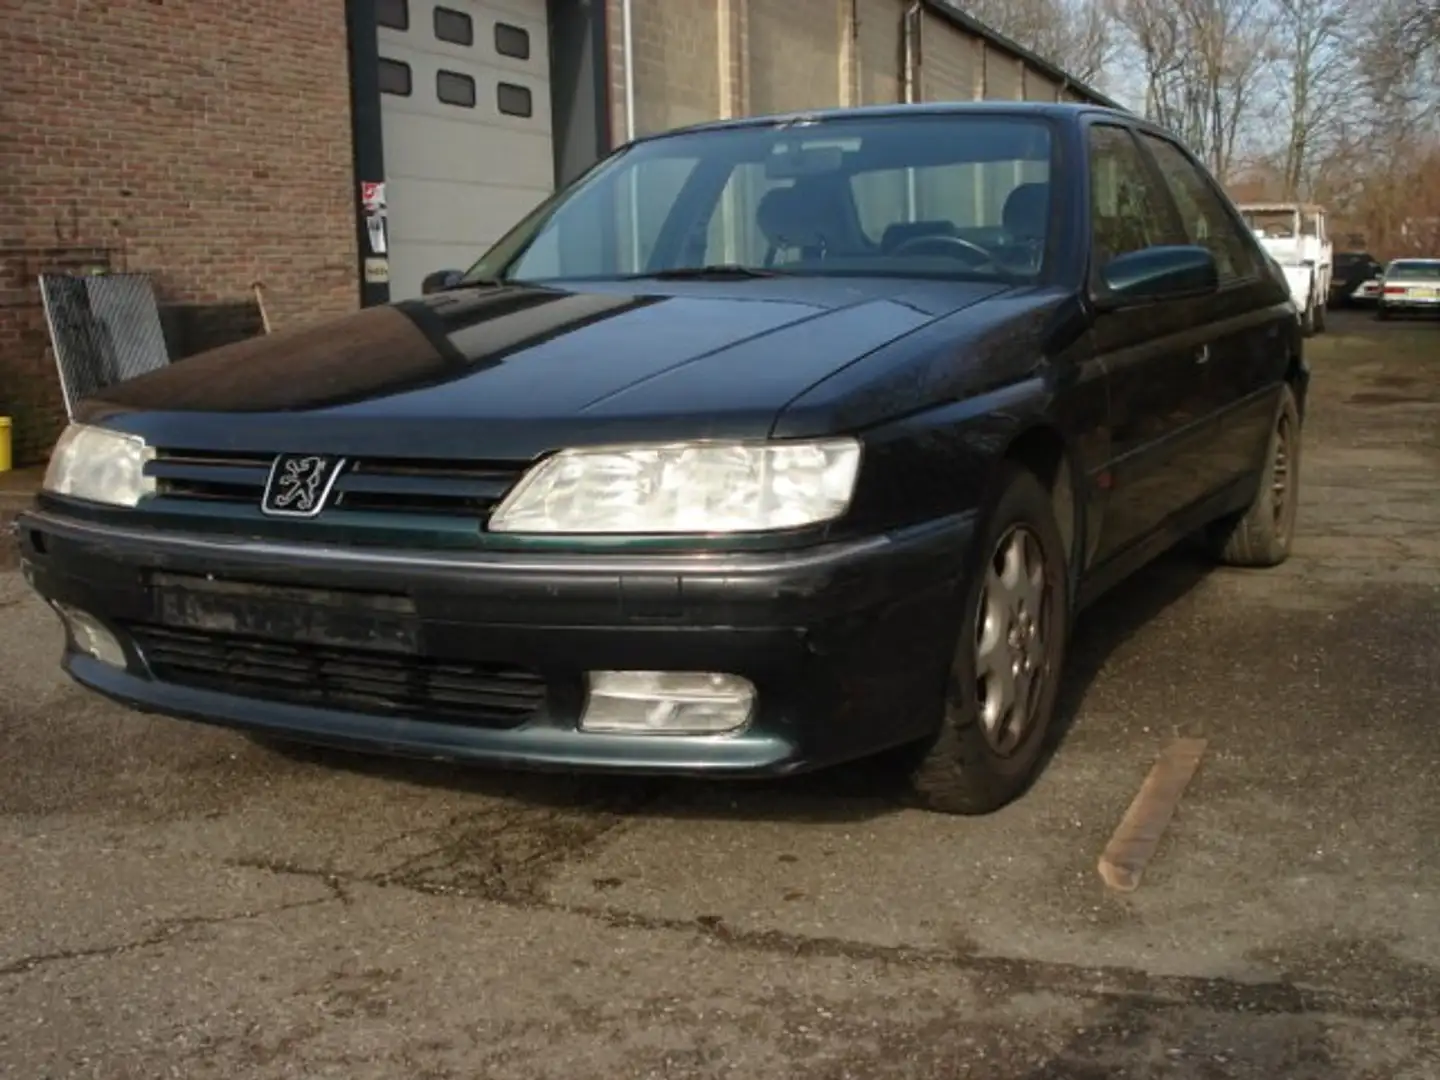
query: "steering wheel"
940, 244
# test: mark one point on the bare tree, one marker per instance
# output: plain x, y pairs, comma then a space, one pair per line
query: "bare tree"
1200, 60
1319, 70
1074, 35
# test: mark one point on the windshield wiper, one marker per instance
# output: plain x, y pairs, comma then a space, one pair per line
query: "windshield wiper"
716, 271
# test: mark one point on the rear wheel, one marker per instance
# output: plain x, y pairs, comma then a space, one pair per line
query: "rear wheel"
1005, 676
1307, 318
1262, 536
1321, 314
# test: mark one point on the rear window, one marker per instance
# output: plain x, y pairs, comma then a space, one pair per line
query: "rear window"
1415, 269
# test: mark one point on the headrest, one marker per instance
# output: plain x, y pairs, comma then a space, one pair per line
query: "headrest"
797, 217
1027, 210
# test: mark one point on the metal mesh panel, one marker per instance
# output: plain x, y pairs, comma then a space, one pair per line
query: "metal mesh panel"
104, 329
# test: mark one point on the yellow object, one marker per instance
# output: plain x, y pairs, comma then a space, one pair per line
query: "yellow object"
4, 444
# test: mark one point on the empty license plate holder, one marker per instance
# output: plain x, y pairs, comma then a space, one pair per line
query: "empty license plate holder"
321, 617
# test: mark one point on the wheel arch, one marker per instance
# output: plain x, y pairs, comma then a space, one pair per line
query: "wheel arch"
1042, 450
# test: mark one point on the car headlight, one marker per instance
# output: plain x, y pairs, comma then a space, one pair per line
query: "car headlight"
100, 465
692, 488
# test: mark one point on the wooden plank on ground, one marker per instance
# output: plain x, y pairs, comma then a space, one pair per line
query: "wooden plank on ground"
1125, 857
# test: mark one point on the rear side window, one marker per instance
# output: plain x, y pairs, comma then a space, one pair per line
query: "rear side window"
1129, 210
1202, 213
1428, 271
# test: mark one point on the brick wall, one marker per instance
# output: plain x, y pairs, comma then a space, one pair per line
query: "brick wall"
203, 142
677, 66
794, 50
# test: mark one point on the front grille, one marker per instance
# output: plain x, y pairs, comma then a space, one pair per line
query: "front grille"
351, 680
368, 485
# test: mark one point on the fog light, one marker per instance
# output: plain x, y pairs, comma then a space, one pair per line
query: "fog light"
91, 637
667, 703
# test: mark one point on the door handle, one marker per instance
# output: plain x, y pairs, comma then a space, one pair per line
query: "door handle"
1202, 354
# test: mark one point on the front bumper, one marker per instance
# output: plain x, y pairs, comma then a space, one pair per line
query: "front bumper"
847, 644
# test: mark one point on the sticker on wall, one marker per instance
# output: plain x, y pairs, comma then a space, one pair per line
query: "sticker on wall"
372, 205
377, 271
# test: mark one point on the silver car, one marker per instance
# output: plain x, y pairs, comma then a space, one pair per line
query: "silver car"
1410, 286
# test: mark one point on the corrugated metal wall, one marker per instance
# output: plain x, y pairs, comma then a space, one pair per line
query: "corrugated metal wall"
696, 60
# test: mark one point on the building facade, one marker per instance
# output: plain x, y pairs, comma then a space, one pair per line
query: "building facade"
336, 151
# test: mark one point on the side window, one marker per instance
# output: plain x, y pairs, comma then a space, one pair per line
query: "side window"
1204, 217
1129, 212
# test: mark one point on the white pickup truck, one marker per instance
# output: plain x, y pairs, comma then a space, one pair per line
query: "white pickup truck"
1295, 234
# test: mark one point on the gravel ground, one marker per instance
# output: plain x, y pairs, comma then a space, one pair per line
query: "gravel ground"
177, 901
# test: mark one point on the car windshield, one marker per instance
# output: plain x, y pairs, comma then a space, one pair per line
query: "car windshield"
1272, 224
1416, 269
966, 197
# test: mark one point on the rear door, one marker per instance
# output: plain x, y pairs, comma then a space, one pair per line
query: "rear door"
1154, 355
1247, 358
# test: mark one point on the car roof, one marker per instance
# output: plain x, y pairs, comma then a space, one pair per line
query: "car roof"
1070, 110
1427, 259
1283, 207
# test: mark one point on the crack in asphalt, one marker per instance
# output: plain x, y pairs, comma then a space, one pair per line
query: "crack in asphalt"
996, 975
165, 932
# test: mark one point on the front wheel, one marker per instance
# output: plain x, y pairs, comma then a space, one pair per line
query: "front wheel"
1005, 676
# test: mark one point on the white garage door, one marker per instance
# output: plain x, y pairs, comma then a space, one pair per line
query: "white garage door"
465, 113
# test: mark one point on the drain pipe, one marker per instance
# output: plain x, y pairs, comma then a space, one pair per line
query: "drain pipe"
628, 30
628, 33
909, 40
910, 37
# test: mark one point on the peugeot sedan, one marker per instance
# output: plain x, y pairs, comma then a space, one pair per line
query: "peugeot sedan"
765, 445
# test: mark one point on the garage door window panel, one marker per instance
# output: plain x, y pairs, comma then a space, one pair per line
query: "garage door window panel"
393, 14
512, 41
394, 78
513, 100
453, 88
455, 27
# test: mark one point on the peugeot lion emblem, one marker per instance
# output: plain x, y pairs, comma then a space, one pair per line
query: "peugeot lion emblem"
299, 484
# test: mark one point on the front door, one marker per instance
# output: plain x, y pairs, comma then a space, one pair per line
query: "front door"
1155, 356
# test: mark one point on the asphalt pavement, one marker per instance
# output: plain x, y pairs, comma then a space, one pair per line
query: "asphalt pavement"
178, 901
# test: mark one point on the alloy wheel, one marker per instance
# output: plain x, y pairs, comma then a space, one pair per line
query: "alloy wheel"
1013, 637
1281, 480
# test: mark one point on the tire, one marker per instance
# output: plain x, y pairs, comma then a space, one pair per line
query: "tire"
1262, 536
967, 767
1321, 314
1307, 320
1381, 314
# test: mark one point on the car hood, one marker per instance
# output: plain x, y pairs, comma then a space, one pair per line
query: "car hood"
513, 371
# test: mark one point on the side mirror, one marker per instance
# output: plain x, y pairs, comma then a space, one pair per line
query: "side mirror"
440, 280
1158, 273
